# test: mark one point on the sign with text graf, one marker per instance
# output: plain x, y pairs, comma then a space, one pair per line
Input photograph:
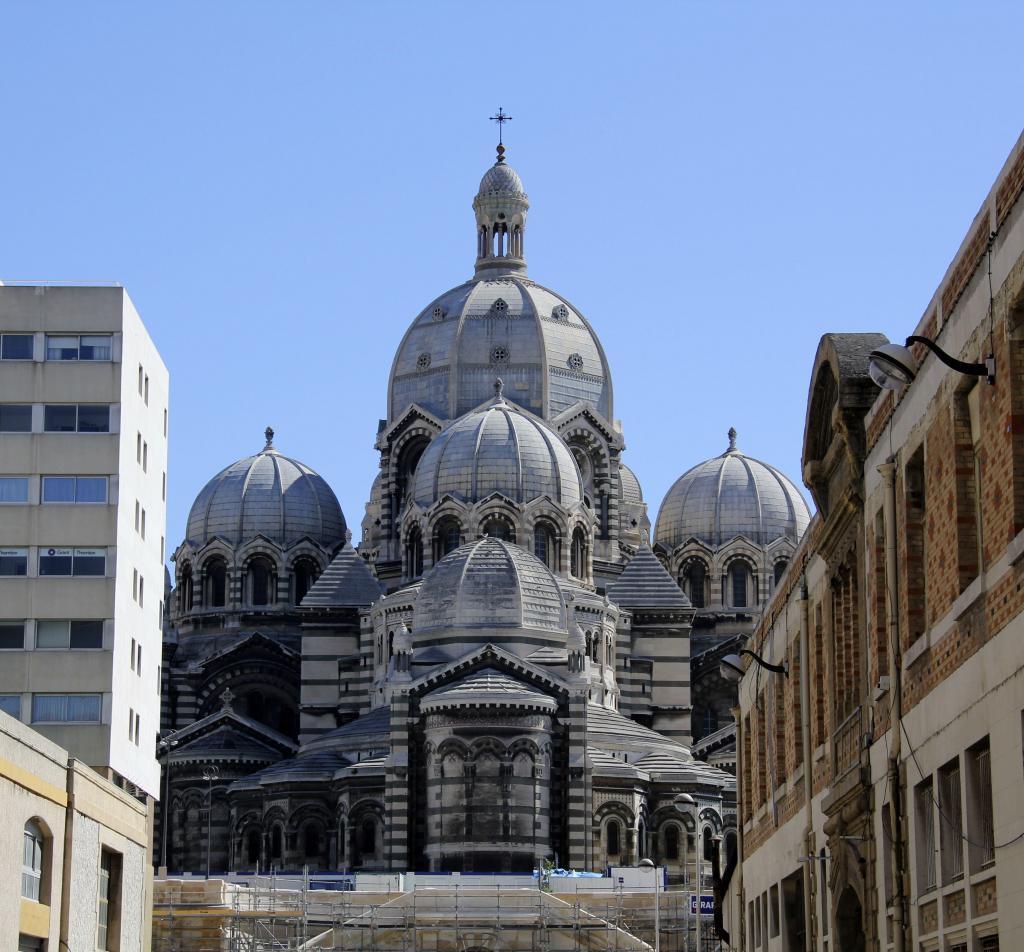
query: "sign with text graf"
707, 905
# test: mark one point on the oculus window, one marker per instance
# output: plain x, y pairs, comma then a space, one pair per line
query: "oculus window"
66, 708
15, 346
74, 489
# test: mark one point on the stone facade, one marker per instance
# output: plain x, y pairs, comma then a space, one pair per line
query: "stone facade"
891, 755
498, 676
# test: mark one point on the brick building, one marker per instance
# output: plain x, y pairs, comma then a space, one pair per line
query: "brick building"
881, 790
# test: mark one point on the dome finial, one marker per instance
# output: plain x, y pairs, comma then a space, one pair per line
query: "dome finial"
499, 390
269, 434
500, 119
732, 439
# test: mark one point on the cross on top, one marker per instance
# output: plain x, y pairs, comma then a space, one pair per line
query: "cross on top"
500, 119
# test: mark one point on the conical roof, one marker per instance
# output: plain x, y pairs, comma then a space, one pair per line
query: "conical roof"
644, 583
346, 583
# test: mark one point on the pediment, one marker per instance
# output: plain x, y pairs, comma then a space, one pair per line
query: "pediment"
410, 416
490, 656
583, 411
255, 645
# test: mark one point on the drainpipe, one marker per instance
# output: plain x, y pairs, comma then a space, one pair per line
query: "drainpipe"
805, 733
741, 919
888, 473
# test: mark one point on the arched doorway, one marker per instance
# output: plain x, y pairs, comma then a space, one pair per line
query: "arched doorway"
849, 922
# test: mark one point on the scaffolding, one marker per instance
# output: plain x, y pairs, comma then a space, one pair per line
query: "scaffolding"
218, 916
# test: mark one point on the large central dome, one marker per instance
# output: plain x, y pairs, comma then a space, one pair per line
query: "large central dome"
503, 323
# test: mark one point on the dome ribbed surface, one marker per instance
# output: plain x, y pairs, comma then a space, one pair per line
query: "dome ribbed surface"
501, 179
270, 495
629, 485
498, 449
512, 327
490, 583
728, 496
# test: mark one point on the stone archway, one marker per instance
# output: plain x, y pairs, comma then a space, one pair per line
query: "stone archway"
850, 935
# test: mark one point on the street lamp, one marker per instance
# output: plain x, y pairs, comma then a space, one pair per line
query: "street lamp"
685, 804
649, 864
210, 774
893, 367
166, 744
731, 667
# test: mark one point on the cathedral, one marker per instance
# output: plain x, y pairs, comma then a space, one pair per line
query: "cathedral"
500, 674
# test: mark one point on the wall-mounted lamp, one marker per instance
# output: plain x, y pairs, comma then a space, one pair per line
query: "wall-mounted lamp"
893, 367
731, 667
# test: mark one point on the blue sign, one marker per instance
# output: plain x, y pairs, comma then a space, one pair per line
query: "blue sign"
707, 905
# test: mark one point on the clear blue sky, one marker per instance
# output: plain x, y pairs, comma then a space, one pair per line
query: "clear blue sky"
282, 187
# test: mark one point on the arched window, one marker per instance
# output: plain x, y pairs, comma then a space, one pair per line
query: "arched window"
578, 555
341, 839
414, 553
32, 861
613, 833
216, 583
672, 842
709, 844
305, 573
694, 580
368, 837
447, 536
739, 573
252, 847
780, 569
311, 841
275, 843
407, 463
262, 582
545, 545
710, 722
497, 528
185, 588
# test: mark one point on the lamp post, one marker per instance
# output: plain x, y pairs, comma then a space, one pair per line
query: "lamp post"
649, 864
731, 666
210, 774
165, 744
685, 804
892, 366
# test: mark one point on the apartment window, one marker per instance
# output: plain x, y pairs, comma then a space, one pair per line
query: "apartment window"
161, 548
13, 562
66, 708
142, 591
75, 489
145, 390
76, 418
72, 562
979, 806
77, 635
138, 720
773, 911
108, 913
12, 635
163, 486
131, 723
15, 346
135, 585
132, 661
15, 418
11, 704
138, 448
165, 424
823, 889
924, 809
74, 347
32, 861
138, 661
951, 842
140, 379
13, 489
145, 456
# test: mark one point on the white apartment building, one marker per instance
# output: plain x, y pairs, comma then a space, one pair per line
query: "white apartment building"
83, 486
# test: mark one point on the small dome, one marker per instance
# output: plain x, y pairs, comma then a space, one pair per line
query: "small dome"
492, 585
629, 485
501, 179
498, 448
728, 496
270, 495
